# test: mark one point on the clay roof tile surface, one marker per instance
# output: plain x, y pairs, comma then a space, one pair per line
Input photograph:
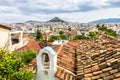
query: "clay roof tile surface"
4, 26
31, 45
94, 59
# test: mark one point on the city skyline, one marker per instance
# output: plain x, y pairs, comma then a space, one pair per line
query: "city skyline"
82, 11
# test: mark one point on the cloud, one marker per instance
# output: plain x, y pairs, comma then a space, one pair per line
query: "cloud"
5, 3
59, 6
71, 17
114, 3
63, 6
53, 5
13, 17
70, 10
8, 9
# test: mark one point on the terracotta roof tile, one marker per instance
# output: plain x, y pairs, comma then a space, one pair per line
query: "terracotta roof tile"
58, 73
4, 26
94, 59
117, 79
114, 71
95, 77
67, 77
62, 75
31, 45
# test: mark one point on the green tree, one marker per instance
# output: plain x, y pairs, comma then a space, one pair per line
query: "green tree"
102, 28
61, 32
78, 37
53, 38
69, 29
98, 26
39, 35
93, 34
12, 68
107, 31
63, 37
26, 56
111, 32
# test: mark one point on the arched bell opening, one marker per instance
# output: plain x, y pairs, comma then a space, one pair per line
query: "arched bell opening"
45, 61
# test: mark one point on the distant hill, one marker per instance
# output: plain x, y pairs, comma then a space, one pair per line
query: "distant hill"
32, 21
109, 20
56, 19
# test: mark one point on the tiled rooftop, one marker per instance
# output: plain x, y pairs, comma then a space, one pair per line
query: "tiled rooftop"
94, 59
32, 44
4, 26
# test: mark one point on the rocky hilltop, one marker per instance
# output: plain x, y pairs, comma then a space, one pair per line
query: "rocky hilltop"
56, 19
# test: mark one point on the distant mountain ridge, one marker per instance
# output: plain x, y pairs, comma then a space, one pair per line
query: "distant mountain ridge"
56, 19
32, 21
108, 20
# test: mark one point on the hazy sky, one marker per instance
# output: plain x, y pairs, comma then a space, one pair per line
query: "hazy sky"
69, 10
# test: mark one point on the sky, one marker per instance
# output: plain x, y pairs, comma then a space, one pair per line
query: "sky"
13, 11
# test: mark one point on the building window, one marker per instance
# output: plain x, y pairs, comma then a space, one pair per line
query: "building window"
15, 40
45, 61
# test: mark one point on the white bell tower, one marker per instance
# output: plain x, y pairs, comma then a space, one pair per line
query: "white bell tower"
46, 64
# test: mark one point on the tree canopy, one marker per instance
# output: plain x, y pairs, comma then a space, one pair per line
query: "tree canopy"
53, 38
93, 34
39, 35
107, 31
77, 37
61, 32
13, 68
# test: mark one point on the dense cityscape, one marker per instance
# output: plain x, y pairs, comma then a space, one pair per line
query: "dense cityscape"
60, 40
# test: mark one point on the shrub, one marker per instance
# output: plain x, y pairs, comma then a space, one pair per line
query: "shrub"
108, 31
63, 37
102, 28
12, 68
80, 37
53, 38
23, 75
61, 32
93, 34
26, 56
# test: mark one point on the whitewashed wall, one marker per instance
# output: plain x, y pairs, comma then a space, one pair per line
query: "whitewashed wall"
4, 37
41, 75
